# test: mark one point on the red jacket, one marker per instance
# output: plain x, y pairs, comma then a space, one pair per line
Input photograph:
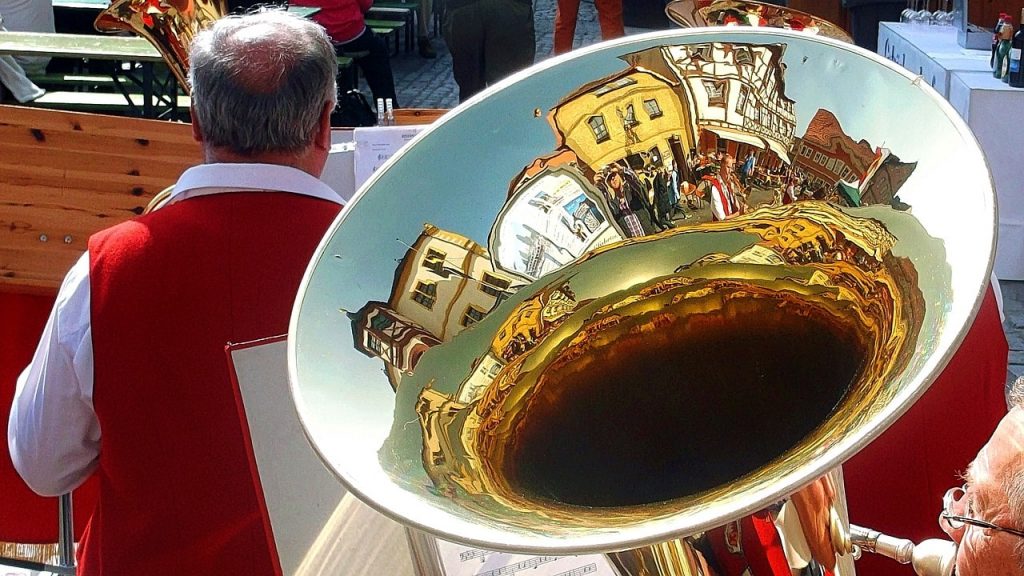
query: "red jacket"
343, 19
169, 290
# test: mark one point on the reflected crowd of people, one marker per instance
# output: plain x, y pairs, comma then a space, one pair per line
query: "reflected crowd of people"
709, 185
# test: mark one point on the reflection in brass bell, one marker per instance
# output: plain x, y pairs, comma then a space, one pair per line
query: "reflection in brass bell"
694, 13
497, 343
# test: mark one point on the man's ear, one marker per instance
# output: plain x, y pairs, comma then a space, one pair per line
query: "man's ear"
323, 135
197, 133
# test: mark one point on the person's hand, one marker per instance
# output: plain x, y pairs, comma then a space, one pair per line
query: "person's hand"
813, 505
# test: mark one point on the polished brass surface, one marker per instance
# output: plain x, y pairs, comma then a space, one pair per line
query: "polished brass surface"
169, 25
512, 340
931, 557
655, 363
692, 13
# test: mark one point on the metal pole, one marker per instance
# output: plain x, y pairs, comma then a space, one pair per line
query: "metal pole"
66, 534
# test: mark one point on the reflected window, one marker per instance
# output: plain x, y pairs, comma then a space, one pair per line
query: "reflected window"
381, 322
493, 285
704, 52
831, 164
471, 316
629, 119
434, 260
743, 56
599, 128
717, 91
741, 100
373, 343
615, 85
425, 294
652, 108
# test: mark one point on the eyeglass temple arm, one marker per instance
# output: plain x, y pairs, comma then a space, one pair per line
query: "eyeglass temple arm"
929, 558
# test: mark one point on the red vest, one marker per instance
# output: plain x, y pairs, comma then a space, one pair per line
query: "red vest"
169, 290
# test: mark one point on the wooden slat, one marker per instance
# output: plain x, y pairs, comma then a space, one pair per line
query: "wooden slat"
92, 46
139, 163
96, 124
413, 116
69, 175
13, 138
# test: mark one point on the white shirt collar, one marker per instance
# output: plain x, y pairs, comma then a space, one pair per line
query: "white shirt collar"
218, 178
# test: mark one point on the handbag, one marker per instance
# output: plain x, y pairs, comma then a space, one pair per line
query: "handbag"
353, 110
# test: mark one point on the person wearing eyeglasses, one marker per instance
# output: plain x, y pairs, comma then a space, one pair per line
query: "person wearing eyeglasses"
985, 517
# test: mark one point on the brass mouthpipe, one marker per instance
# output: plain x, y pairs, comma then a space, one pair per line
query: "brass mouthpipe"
932, 557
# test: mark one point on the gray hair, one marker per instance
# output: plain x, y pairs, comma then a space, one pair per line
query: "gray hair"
260, 81
1013, 483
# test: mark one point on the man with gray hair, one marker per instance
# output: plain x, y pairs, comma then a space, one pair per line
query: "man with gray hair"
130, 382
985, 517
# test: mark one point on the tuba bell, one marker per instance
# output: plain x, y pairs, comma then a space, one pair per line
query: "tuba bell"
642, 291
169, 25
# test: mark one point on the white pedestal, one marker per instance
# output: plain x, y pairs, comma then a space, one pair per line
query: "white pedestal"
931, 51
990, 108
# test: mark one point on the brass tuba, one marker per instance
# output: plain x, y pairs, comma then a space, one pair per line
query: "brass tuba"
696, 13
170, 25
642, 291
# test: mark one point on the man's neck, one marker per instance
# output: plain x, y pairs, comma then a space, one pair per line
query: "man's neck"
303, 160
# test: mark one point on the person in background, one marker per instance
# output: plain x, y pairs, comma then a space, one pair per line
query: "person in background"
424, 15
488, 40
130, 382
345, 22
28, 16
16, 71
865, 16
609, 16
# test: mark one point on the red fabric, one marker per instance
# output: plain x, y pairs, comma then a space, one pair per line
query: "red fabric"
895, 485
24, 516
169, 291
344, 20
759, 551
609, 16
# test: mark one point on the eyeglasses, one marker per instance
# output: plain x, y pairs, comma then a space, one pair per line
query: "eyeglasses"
957, 522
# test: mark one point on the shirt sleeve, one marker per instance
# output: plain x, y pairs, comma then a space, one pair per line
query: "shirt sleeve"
53, 433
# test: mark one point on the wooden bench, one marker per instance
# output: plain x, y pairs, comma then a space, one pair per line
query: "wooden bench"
403, 14
102, 102
97, 47
388, 29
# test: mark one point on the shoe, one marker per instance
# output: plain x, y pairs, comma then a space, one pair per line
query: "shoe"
426, 50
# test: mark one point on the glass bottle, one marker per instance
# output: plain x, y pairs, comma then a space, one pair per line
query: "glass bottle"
1005, 35
1016, 75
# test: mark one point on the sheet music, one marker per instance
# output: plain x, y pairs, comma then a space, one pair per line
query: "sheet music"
458, 560
375, 144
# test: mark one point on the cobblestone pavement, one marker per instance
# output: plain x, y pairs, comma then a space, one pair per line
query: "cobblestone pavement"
423, 83
1013, 309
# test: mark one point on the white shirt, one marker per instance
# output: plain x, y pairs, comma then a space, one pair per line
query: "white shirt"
53, 433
